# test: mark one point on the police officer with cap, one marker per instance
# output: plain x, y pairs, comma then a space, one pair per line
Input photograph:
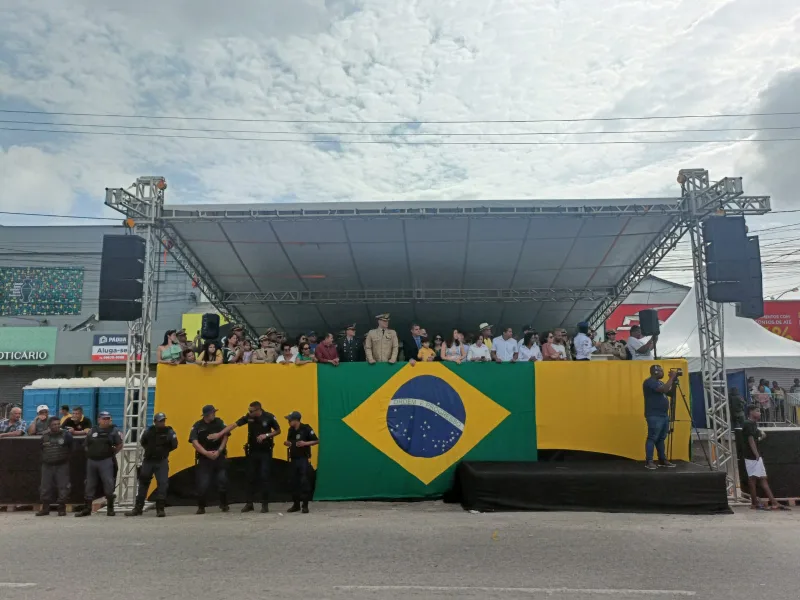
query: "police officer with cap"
158, 441
210, 456
261, 429
56, 450
103, 442
299, 441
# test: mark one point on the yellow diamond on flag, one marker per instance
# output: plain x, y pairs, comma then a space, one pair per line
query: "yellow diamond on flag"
426, 418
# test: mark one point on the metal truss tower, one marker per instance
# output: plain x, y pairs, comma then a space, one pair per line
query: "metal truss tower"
143, 204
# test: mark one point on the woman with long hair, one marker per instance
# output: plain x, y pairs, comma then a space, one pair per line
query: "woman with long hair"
453, 350
170, 350
548, 352
479, 351
211, 355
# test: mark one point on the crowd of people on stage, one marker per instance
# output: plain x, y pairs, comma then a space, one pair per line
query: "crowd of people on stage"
383, 344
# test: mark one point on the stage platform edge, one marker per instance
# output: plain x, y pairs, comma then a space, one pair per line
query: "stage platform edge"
621, 486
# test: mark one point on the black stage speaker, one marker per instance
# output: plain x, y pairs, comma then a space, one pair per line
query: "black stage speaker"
648, 321
725, 239
751, 305
209, 328
121, 274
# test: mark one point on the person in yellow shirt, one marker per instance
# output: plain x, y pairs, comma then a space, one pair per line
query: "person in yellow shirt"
426, 353
65, 413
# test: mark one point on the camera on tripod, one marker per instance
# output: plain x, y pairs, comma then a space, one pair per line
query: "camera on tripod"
678, 372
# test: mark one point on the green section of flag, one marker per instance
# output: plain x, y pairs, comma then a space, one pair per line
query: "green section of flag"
352, 468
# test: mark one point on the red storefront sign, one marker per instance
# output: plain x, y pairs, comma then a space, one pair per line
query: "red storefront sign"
782, 317
627, 315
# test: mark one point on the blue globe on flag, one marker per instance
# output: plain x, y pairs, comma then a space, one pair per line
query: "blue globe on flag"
426, 416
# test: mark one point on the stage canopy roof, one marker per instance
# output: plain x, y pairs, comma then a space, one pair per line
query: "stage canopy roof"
441, 264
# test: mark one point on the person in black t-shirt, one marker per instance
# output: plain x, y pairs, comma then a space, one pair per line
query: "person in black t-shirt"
299, 441
261, 429
211, 460
756, 473
77, 424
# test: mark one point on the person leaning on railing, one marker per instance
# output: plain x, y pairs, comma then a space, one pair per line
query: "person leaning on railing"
211, 355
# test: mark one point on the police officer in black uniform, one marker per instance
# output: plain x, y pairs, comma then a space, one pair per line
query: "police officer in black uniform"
56, 449
299, 441
211, 458
261, 429
103, 442
158, 441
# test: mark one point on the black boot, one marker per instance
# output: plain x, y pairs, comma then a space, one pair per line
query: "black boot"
223, 502
295, 507
110, 512
264, 507
62, 510
248, 507
201, 508
305, 507
86, 511
136, 511
160, 509
44, 511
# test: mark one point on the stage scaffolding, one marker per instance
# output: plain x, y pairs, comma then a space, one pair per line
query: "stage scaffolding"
144, 203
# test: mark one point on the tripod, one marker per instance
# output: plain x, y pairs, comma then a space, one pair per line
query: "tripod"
672, 405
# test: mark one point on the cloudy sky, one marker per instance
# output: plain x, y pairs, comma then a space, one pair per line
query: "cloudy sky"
292, 67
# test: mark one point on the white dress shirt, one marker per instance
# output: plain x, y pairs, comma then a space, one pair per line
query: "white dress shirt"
281, 359
583, 347
529, 354
478, 352
504, 349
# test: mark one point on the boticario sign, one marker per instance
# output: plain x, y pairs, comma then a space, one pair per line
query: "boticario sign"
32, 355
27, 346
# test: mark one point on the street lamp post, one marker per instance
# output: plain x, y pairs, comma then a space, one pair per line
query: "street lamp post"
778, 297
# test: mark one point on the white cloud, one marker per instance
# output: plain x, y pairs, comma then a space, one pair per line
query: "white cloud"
382, 60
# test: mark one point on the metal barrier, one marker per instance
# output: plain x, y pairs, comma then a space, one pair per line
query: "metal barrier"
778, 409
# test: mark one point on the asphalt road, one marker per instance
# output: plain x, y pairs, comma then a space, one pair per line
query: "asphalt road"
409, 551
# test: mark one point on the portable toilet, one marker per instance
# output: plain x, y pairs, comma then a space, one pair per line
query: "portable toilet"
111, 398
85, 397
41, 391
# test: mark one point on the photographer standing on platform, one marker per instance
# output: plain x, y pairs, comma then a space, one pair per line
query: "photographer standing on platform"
656, 413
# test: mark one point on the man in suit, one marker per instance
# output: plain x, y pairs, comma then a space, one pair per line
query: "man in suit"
412, 342
350, 348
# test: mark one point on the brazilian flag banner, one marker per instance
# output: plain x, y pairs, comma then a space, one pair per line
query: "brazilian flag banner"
398, 431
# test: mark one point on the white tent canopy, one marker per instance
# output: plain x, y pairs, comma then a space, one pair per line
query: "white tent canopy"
747, 344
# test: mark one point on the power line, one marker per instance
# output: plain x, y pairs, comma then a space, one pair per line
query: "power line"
401, 134
395, 143
406, 122
26, 214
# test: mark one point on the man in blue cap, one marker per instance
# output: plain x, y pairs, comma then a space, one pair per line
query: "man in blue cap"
158, 441
103, 442
299, 441
211, 460
584, 346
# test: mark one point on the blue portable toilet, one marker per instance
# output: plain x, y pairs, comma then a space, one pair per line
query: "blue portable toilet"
86, 398
32, 397
111, 398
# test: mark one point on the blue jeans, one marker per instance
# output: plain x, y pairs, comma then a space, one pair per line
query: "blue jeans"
657, 428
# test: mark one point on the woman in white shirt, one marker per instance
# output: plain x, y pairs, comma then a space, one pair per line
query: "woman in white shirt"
529, 350
301, 339
286, 356
453, 350
479, 352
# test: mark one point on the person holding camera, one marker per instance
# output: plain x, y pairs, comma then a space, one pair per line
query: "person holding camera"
656, 413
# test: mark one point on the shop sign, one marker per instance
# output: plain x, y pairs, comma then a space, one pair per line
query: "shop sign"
110, 347
20, 346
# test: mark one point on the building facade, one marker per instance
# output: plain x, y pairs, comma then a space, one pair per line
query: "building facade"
49, 298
